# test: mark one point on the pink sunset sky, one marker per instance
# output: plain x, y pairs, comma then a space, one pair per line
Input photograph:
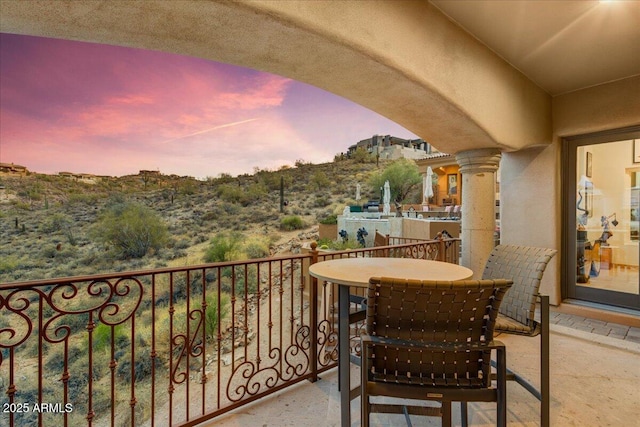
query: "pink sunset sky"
107, 110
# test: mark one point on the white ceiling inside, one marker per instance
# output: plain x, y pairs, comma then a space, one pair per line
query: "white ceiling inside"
562, 46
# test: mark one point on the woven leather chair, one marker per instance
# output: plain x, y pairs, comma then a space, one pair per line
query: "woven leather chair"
525, 266
432, 340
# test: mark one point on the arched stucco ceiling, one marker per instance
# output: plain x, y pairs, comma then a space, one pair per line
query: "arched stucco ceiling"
402, 59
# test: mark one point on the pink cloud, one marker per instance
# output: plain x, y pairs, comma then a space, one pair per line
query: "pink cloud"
104, 109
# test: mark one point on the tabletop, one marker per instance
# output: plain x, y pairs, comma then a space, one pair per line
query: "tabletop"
357, 271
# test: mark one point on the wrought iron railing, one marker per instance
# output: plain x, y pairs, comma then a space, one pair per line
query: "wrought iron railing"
171, 346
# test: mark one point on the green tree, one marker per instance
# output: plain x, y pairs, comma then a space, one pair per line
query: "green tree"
131, 229
361, 155
403, 176
319, 180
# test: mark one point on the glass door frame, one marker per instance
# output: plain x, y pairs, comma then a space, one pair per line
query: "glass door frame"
569, 248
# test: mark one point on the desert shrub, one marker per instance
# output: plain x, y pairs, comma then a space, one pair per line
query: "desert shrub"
329, 220
188, 187
233, 194
256, 248
60, 253
56, 222
142, 366
361, 155
182, 244
132, 230
55, 360
223, 247
18, 204
102, 336
245, 280
290, 223
321, 201
230, 208
212, 312
164, 333
256, 191
272, 179
338, 245
8, 264
77, 322
319, 180
81, 198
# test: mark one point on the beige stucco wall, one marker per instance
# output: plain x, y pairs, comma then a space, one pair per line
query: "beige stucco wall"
530, 180
402, 59
530, 206
609, 106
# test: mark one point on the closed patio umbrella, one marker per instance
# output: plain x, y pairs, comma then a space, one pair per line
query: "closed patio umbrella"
386, 197
428, 185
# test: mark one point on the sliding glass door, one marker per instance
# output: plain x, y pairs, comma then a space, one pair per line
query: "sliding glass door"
601, 194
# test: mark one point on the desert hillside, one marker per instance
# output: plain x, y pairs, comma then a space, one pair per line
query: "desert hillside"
48, 223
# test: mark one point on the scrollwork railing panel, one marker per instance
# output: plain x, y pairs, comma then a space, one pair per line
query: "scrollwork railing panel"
173, 345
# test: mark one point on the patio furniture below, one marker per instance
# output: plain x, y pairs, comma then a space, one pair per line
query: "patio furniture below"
432, 340
525, 266
355, 272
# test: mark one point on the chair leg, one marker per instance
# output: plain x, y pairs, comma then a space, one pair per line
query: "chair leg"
501, 362
464, 414
545, 396
365, 409
446, 414
365, 405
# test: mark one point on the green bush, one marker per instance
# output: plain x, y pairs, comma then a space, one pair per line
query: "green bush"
256, 248
210, 321
233, 194
211, 313
272, 180
338, 245
329, 220
132, 230
8, 264
361, 155
291, 223
102, 337
223, 247
243, 281
319, 181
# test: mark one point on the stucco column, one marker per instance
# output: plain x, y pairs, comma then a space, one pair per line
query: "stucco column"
478, 169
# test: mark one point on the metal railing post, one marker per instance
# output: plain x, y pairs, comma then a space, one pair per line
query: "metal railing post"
314, 315
442, 256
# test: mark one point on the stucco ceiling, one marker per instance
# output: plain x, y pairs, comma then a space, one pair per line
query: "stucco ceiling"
562, 46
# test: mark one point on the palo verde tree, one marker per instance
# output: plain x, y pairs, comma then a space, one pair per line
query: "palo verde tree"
403, 176
131, 230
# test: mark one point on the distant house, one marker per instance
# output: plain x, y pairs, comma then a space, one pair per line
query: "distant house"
13, 169
392, 148
81, 177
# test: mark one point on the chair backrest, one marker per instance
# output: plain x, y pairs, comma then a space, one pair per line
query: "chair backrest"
380, 239
525, 266
434, 311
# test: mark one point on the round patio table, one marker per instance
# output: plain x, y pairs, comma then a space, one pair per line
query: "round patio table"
346, 272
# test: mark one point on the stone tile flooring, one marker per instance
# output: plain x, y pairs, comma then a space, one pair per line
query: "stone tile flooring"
595, 372
599, 327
